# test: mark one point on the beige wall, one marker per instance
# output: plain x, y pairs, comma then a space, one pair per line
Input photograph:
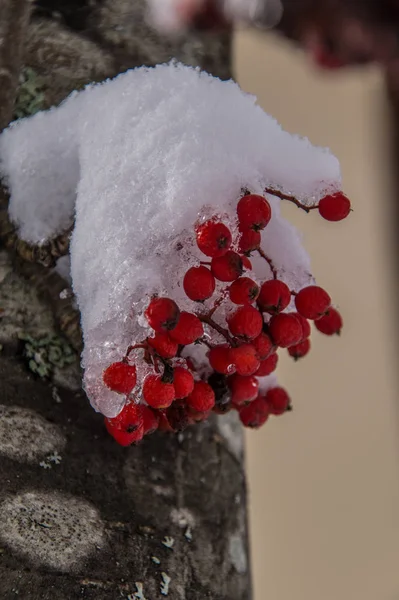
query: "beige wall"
324, 481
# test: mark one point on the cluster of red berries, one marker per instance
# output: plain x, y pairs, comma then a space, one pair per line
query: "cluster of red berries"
240, 350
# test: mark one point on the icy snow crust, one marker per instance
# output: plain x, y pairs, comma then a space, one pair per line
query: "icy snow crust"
137, 161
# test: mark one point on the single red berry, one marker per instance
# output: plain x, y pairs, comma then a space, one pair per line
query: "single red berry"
331, 323
255, 414
306, 330
213, 238
163, 345
264, 346
188, 330
156, 393
120, 377
285, 330
129, 419
334, 207
162, 314
246, 322
274, 296
299, 350
278, 400
199, 283
202, 398
220, 359
312, 302
246, 263
243, 389
253, 212
124, 438
228, 267
249, 241
150, 420
267, 366
245, 359
243, 291
183, 382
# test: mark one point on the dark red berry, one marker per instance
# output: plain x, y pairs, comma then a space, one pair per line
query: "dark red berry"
264, 346
245, 359
246, 263
331, 323
162, 314
178, 416
243, 291
246, 322
156, 393
243, 389
220, 359
120, 377
299, 350
150, 420
285, 330
253, 212
249, 241
163, 345
202, 398
199, 283
227, 267
183, 382
213, 238
255, 414
312, 302
278, 400
267, 366
274, 296
334, 207
306, 330
188, 330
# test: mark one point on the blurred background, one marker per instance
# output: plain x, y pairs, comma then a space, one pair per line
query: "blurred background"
324, 480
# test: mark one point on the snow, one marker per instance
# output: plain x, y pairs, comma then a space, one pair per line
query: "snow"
137, 161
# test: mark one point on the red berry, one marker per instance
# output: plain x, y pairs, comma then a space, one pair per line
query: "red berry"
299, 350
246, 263
306, 330
220, 359
162, 314
188, 330
334, 207
285, 330
278, 400
198, 417
243, 389
249, 240
164, 424
202, 398
213, 238
274, 296
179, 416
199, 283
127, 427
267, 366
243, 291
312, 302
331, 323
246, 322
228, 267
150, 420
264, 346
254, 212
123, 437
163, 345
120, 377
245, 359
157, 393
183, 382
255, 414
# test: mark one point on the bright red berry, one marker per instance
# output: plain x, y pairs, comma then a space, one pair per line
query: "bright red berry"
213, 238
246, 263
188, 330
183, 382
334, 207
285, 330
120, 377
267, 366
150, 420
227, 267
278, 400
157, 393
264, 346
331, 323
199, 283
243, 389
245, 359
249, 241
220, 359
274, 296
253, 212
202, 398
124, 438
162, 314
299, 350
306, 330
312, 302
243, 291
163, 345
255, 414
127, 427
246, 322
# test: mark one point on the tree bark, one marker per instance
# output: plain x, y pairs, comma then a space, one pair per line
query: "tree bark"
81, 517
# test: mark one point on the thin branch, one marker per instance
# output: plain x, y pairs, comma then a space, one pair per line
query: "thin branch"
292, 199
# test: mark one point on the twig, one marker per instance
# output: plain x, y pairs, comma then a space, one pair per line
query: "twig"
292, 199
269, 262
209, 321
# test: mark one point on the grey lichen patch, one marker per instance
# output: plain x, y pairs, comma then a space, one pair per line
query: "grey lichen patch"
230, 429
237, 553
25, 436
30, 94
51, 529
44, 354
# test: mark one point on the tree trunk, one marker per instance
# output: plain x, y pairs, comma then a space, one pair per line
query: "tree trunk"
81, 517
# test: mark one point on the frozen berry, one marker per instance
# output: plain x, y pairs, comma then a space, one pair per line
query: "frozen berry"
213, 238
285, 330
124, 438
120, 377
227, 267
246, 263
202, 398
255, 414
188, 330
299, 350
129, 419
253, 212
264, 346
246, 322
162, 314
199, 283
220, 359
249, 241
163, 345
267, 366
243, 389
157, 393
183, 382
150, 420
334, 207
306, 330
245, 359
312, 302
331, 323
243, 291
278, 400
274, 296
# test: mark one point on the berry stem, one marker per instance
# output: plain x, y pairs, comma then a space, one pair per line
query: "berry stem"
142, 346
292, 199
217, 303
269, 262
211, 323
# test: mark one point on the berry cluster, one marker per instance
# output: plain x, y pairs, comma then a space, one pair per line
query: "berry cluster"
259, 319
